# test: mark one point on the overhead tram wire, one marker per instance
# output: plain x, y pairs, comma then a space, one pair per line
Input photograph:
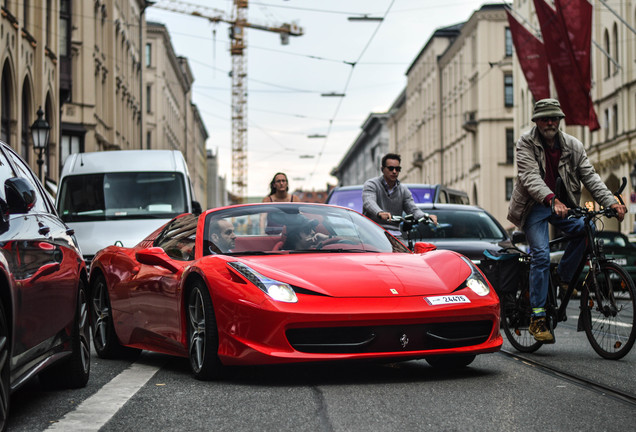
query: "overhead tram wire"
353, 65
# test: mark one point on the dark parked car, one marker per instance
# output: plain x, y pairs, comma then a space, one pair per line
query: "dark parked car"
466, 229
616, 246
351, 196
44, 326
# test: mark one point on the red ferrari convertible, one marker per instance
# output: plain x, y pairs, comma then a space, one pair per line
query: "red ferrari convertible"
293, 282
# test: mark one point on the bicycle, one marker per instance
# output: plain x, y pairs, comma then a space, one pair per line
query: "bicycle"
607, 301
407, 223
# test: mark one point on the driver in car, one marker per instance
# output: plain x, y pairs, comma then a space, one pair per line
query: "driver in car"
222, 235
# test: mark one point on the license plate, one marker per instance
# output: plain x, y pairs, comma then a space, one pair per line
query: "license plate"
620, 261
447, 299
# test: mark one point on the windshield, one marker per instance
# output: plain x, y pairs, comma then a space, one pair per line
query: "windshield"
456, 224
114, 196
293, 228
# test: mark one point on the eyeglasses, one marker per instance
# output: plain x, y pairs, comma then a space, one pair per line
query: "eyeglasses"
549, 119
394, 168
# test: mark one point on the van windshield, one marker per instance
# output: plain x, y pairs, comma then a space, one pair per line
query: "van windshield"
128, 195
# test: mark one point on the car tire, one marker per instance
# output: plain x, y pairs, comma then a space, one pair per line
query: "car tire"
74, 371
448, 362
105, 338
5, 369
203, 339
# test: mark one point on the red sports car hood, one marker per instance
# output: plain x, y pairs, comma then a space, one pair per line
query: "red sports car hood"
366, 274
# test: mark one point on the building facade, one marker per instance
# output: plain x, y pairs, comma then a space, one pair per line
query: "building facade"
455, 123
105, 81
172, 122
29, 62
103, 78
363, 159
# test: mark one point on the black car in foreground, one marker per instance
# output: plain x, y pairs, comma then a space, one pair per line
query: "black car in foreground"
44, 326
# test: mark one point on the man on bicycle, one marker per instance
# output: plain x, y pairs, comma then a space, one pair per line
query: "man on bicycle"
385, 196
544, 154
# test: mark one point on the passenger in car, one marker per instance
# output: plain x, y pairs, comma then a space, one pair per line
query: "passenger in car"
302, 235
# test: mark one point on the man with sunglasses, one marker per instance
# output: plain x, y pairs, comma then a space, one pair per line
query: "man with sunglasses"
544, 154
385, 196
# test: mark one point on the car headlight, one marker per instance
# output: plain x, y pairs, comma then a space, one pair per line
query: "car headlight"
476, 281
279, 291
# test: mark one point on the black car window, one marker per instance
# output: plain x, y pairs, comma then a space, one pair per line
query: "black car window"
177, 239
25, 172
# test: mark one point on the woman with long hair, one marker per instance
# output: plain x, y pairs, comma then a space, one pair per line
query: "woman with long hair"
279, 190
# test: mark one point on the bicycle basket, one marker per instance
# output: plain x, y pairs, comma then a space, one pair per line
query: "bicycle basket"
502, 270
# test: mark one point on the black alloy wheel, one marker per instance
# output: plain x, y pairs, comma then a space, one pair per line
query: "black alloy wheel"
105, 338
74, 371
203, 342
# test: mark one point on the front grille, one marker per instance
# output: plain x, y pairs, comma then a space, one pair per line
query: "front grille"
396, 338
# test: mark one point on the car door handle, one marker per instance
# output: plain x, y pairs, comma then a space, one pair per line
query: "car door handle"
44, 230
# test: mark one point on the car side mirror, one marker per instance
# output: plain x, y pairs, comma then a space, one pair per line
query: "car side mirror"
196, 208
20, 195
156, 256
421, 247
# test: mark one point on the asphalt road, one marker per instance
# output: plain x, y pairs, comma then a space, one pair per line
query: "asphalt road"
496, 392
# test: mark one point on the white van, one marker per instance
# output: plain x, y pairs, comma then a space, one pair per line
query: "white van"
119, 197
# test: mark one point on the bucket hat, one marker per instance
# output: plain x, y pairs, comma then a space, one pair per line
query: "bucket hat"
547, 108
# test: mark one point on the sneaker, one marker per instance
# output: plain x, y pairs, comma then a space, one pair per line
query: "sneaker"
539, 330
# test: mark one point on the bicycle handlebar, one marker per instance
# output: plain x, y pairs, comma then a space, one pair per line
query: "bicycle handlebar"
607, 212
411, 218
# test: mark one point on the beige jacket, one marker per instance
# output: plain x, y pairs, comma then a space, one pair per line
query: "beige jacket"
574, 168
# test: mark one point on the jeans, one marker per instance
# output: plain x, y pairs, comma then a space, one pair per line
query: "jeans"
538, 236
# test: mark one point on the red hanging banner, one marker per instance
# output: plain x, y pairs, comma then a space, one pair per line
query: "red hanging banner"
532, 58
573, 93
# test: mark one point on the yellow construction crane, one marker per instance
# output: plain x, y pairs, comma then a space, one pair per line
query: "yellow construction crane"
238, 22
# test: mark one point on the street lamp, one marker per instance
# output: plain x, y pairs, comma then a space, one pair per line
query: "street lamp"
40, 133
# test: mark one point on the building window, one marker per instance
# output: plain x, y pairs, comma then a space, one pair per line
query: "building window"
148, 55
70, 144
25, 149
148, 140
509, 185
615, 120
608, 63
616, 48
64, 30
508, 39
26, 9
148, 99
510, 146
47, 23
5, 98
508, 90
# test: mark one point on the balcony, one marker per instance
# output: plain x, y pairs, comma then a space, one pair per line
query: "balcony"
470, 121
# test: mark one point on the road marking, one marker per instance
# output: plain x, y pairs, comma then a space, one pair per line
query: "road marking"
95, 411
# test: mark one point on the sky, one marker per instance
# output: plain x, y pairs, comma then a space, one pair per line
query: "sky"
364, 60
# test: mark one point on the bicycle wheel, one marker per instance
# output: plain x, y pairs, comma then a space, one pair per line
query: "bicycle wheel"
607, 311
515, 318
